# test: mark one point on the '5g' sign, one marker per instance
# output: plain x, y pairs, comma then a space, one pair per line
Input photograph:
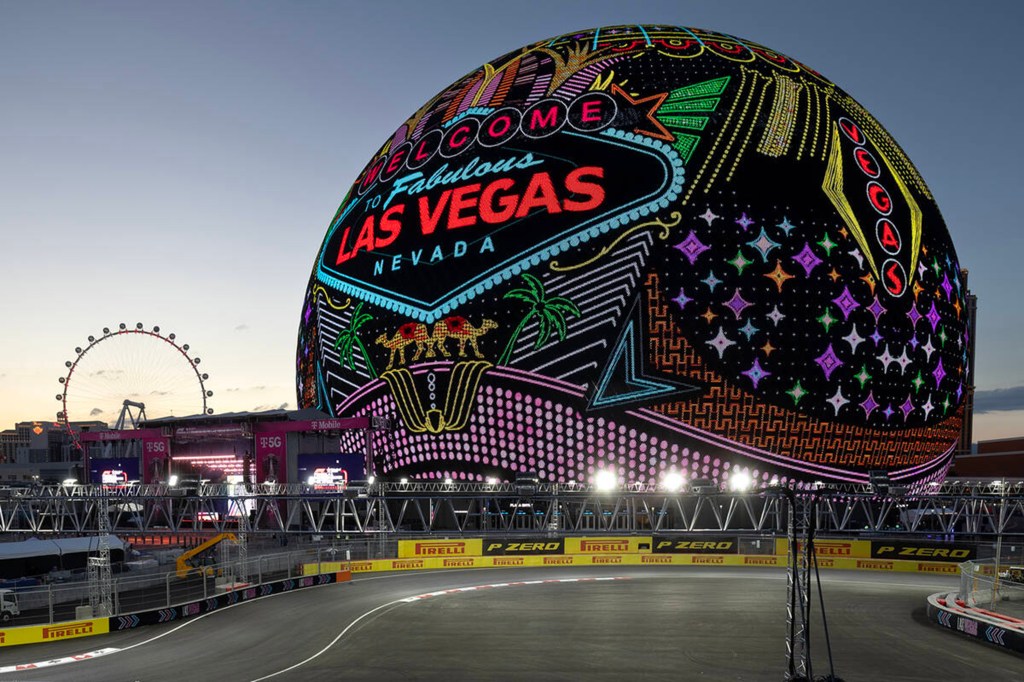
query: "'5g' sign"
269, 442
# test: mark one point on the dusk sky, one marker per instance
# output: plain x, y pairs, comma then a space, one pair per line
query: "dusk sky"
176, 164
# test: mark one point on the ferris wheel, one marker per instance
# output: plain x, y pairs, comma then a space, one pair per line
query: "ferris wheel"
127, 375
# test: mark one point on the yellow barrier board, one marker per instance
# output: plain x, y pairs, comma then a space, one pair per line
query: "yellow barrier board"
752, 560
860, 549
34, 634
611, 545
414, 549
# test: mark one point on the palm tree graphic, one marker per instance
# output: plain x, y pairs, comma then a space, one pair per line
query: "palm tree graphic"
348, 339
550, 314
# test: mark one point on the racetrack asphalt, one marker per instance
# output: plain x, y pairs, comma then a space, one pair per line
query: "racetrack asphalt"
587, 623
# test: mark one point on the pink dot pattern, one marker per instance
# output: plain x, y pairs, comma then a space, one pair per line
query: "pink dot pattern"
512, 431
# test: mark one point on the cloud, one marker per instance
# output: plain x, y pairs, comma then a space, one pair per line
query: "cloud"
95, 412
248, 388
159, 392
264, 408
999, 400
102, 372
241, 327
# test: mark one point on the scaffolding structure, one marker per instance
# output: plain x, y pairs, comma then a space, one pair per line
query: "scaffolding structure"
384, 509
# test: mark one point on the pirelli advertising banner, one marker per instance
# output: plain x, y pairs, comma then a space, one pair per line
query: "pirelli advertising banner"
921, 551
854, 549
34, 634
664, 544
523, 546
411, 549
621, 545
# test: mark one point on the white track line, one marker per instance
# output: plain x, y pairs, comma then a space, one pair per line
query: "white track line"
409, 600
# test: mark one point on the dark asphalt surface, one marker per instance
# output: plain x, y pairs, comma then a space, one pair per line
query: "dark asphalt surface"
658, 623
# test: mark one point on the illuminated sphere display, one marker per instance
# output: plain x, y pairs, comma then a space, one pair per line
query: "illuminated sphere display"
650, 250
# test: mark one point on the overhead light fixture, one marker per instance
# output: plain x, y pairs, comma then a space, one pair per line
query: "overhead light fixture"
605, 480
740, 481
673, 481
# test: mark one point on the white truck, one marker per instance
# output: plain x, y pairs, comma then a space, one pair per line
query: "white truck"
8, 605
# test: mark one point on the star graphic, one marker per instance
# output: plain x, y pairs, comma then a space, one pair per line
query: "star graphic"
708, 315
837, 400
785, 225
869, 404
870, 279
739, 262
860, 258
928, 348
651, 103
928, 407
778, 275
768, 348
834, 275
797, 392
744, 222
903, 360
711, 281
863, 377
886, 358
682, 299
763, 244
854, 339
709, 217
721, 342
907, 407
826, 320
749, 330
775, 315
918, 382
827, 244
756, 373
737, 304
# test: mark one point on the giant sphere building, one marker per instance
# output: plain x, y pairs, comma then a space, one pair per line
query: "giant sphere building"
646, 249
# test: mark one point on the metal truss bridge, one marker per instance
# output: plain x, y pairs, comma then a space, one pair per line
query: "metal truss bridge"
982, 509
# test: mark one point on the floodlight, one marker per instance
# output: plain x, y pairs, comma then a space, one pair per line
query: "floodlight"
673, 481
740, 481
605, 480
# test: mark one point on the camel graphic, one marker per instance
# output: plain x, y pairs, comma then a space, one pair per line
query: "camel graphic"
433, 342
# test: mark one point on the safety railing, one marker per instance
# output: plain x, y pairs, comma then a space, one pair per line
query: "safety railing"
1000, 588
150, 588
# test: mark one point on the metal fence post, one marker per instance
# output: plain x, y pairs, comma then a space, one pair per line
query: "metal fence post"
168, 581
117, 599
49, 599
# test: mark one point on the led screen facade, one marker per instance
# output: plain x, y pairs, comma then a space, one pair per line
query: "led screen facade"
647, 249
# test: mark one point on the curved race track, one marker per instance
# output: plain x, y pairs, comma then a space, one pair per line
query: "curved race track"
649, 623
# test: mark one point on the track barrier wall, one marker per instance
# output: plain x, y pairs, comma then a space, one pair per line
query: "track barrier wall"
527, 551
35, 634
697, 550
989, 606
